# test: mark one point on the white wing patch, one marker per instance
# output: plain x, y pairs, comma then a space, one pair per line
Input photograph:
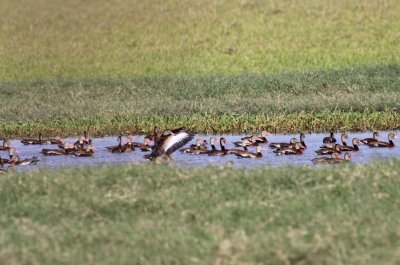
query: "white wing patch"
175, 139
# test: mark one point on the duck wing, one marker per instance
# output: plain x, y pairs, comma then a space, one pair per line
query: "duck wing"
175, 141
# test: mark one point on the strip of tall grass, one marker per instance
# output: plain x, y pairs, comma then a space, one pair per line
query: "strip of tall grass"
165, 215
73, 39
364, 98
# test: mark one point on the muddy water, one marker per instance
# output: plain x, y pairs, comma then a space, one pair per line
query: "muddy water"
104, 157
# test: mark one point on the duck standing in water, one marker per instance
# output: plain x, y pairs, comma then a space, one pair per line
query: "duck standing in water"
247, 154
334, 159
15, 159
33, 141
262, 139
66, 149
244, 144
292, 143
168, 142
374, 138
329, 139
222, 152
328, 151
89, 151
389, 144
201, 145
289, 150
353, 148
343, 138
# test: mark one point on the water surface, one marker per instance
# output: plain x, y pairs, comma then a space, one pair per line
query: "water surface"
103, 157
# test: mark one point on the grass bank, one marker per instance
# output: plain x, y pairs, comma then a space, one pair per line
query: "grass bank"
157, 215
351, 99
50, 39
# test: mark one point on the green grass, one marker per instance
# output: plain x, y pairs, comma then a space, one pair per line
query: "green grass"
147, 214
354, 99
49, 39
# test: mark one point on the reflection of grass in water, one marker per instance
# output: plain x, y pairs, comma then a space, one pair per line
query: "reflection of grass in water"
75, 39
159, 215
358, 99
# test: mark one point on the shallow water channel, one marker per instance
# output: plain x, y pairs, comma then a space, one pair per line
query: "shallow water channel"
103, 157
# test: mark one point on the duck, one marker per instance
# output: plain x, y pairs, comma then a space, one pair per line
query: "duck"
89, 151
343, 138
239, 151
252, 141
66, 149
389, 144
262, 139
322, 160
353, 148
6, 145
56, 140
329, 139
223, 151
334, 159
328, 151
200, 145
33, 141
146, 147
247, 154
116, 148
303, 144
374, 138
17, 161
292, 143
83, 139
213, 140
167, 143
289, 150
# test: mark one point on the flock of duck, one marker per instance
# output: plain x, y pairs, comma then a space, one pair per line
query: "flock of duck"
161, 145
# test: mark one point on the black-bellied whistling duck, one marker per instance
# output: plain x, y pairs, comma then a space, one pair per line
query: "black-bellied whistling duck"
389, 144
89, 151
146, 147
292, 143
353, 148
83, 139
289, 150
244, 144
32, 141
6, 145
262, 139
330, 139
374, 138
302, 142
15, 159
56, 140
252, 141
247, 154
167, 143
199, 146
343, 138
67, 149
223, 150
213, 141
334, 159
325, 160
116, 148
328, 151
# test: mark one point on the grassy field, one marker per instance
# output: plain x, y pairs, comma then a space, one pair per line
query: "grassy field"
352, 99
157, 215
48, 39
